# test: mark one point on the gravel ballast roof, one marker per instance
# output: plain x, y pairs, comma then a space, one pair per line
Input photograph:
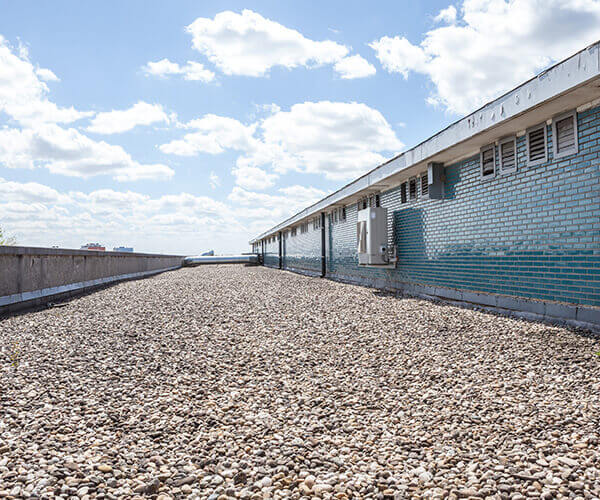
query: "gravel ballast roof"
246, 382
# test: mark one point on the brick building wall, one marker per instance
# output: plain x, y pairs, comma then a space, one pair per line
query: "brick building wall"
533, 233
271, 255
303, 251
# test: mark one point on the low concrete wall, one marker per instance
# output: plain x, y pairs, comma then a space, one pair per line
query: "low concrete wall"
31, 276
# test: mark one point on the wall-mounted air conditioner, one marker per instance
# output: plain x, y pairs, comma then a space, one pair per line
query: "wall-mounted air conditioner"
372, 238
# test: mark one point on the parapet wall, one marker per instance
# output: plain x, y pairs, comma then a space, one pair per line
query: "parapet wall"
31, 276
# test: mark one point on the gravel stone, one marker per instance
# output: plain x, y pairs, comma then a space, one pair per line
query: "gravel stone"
246, 382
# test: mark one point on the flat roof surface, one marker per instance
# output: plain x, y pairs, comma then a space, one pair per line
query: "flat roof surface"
248, 380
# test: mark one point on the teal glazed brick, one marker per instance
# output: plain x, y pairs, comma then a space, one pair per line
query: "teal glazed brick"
303, 251
531, 234
271, 256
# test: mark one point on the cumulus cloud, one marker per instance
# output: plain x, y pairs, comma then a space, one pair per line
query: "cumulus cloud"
249, 44
183, 222
354, 67
46, 75
214, 180
193, 71
253, 178
494, 46
68, 152
38, 140
269, 209
141, 113
212, 134
335, 139
29, 192
447, 15
24, 94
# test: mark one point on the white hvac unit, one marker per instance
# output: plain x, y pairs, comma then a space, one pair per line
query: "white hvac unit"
372, 238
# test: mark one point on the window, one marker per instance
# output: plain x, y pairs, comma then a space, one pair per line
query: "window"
487, 161
424, 185
412, 189
343, 213
377, 201
536, 145
335, 216
294, 231
403, 192
508, 155
564, 134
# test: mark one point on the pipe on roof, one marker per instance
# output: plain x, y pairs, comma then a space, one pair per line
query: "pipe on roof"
198, 260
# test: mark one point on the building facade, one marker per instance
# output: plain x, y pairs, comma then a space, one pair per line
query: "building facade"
513, 224
93, 246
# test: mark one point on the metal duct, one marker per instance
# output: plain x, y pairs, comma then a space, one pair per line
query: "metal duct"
198, 260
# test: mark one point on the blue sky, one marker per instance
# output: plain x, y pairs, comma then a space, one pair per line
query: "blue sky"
183, 126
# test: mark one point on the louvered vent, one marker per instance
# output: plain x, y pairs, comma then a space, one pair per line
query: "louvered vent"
424, 185
403, 192
487, 162
412, 189
507, 155
565, 135
537, 145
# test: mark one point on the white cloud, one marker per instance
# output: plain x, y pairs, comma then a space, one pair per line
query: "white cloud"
46, 75
177, 223
354, 67
339, 140
213, 134
28, 192
68, 152
493, 47
290, 200
193, 71
398, 55
253, 178
141, 113
214, 180
249, 44
336, 139
23, 96
447, 15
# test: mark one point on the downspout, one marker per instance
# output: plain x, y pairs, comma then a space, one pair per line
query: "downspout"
323, 262
280, 250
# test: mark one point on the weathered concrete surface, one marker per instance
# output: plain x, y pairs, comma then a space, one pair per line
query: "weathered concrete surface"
252, 383
31, 276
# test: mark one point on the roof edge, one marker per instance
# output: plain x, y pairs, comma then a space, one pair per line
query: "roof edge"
550, 83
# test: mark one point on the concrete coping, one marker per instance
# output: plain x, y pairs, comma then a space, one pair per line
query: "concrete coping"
39, 251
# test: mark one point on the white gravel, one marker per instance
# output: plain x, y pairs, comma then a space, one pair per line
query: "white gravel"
235, 382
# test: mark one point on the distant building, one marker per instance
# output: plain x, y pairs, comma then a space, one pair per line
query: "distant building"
123, 249
208, 254
93, 246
